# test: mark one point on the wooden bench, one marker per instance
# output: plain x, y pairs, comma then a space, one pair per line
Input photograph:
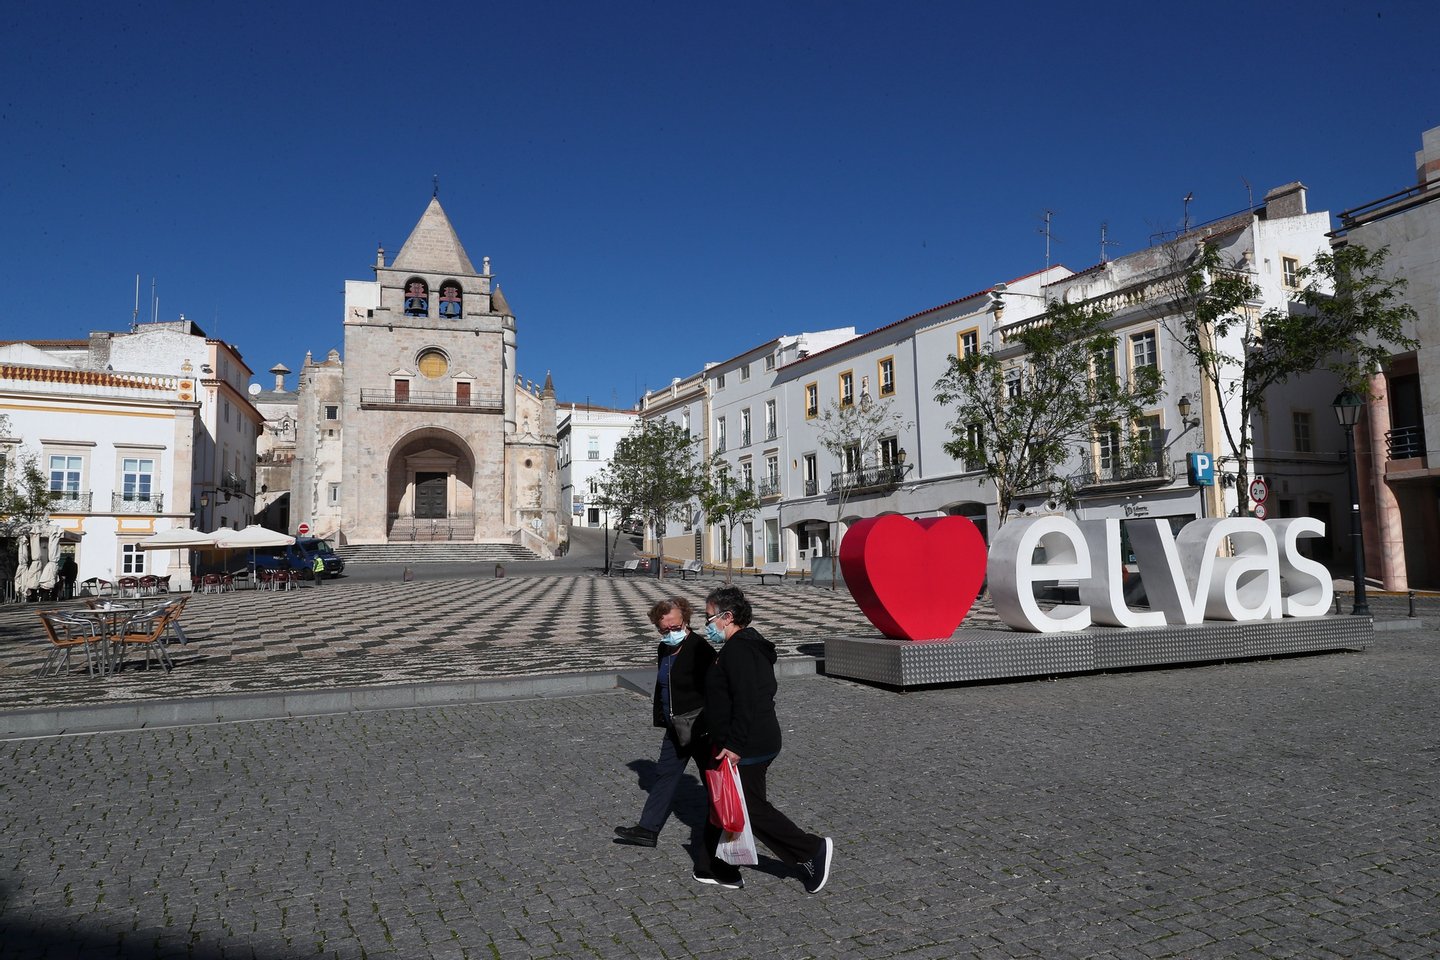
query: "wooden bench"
691, 566
776, 569
629, 567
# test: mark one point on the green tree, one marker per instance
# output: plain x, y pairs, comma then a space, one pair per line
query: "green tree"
851, 433
653, 476
25, 494
727, 503
1346, 317
1019, 413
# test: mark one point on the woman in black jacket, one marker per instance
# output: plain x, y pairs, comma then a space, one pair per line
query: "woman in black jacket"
683, 658
743, 727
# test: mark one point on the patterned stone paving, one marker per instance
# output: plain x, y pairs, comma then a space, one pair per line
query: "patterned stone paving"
356, 634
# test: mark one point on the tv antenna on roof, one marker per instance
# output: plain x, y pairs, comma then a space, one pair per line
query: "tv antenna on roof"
1105, 241
1185, 225
1049, 236
436, 192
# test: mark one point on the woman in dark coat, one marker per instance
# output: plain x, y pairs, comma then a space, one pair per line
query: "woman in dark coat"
682, 660
743, 728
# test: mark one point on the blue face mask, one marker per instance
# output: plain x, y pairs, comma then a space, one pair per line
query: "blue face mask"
713, 634
673, 638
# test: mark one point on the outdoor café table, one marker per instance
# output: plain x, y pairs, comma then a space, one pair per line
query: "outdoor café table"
108, 622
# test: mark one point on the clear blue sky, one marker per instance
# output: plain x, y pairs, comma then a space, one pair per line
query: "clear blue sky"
659, 184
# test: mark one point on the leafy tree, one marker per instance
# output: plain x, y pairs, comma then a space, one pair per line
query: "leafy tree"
727, 503
1019, 414
851, 433
25, 494
1346, 317
653, 475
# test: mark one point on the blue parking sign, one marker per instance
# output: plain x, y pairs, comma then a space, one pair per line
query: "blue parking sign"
1202, 470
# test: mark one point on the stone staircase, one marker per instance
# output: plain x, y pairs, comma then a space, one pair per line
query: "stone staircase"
434, 553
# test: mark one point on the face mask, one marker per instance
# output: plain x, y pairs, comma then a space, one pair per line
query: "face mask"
713, 634
673, 638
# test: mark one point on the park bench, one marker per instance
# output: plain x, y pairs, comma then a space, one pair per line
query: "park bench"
629, 567
775, 569
691, 567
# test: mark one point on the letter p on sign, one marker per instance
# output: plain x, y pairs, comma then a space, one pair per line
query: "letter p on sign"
1202, 470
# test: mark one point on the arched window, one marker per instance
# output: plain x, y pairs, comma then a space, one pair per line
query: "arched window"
450, 300
417, 298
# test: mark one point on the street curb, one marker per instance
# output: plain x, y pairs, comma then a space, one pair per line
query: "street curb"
286, 704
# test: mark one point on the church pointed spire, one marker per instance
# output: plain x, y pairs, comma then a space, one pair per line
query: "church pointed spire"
433, 246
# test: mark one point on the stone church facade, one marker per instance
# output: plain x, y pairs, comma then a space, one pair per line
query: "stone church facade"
425, 431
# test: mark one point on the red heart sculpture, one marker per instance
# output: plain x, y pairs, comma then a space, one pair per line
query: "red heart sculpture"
915, 580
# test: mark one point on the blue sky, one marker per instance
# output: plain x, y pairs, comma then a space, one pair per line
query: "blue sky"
659, 184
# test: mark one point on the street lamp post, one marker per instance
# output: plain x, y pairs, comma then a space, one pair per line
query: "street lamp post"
1347, 410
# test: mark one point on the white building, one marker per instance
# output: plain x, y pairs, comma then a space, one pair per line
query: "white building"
762, 409
116, 442
587, 436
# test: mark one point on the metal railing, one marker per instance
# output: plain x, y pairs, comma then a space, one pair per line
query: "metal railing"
1405, 443
812, 487
132, 503
869, 478
67, 501
1149, 470
769, 487
383, 397
405, 526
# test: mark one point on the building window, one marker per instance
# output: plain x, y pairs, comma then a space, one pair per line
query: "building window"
65, 474
685, 421
332, 411
450, 300
719, 381
969, 342
136, 478
745, 427
889, 450
1300, 419
1014, 383
887, 377
770, 426
1107, 443
402, 391
749, 544
1103, 364
744, 372
847, 388
333, 499
1142, 350
462, 393
772, 541
812, 401
719, 434
132, 559
1290, 268
417, 298
1152, 438
812, 476
747, 476
770, 361
593, 450
433, 364
227, 411
852, 458
975, 436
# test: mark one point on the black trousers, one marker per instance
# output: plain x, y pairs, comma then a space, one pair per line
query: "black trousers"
770, 826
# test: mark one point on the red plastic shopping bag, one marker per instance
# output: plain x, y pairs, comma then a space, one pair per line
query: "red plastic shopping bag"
727, 807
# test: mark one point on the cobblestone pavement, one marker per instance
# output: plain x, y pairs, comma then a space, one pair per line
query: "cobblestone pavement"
1280, 808
354, 634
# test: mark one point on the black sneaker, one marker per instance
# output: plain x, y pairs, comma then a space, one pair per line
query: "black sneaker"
736, 882
816, 870
638, 836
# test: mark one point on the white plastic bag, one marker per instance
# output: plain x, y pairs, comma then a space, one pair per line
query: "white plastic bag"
738, 849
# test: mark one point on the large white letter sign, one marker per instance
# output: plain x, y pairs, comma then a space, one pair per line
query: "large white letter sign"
1309, 589
1185, 578
1104, 592
1014, 572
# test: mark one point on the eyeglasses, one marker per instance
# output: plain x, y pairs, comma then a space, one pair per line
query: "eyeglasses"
715, 616
664, 629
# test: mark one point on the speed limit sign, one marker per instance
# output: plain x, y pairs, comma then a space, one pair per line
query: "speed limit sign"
1259, 490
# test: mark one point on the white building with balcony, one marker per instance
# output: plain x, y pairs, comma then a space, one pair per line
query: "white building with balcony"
587, 437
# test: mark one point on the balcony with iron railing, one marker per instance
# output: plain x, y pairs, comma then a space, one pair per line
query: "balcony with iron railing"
880, 477
386, 398
768, 488
70, 501
1405, 443
1123, 471
137, 503
812, 487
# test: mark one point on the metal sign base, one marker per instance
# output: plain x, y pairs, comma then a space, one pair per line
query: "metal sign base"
980, 654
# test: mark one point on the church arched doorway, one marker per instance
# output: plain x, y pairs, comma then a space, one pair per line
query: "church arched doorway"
430, 487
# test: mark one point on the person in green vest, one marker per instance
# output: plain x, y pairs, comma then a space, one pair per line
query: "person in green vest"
319, 569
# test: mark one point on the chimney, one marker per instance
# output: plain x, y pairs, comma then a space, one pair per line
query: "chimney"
279, 370
1286, 201
1427, 159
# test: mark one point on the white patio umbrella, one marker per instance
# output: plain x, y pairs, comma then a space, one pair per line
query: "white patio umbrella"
252, 538
177, 539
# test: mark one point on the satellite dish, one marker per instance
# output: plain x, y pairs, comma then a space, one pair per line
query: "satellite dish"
254, 389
